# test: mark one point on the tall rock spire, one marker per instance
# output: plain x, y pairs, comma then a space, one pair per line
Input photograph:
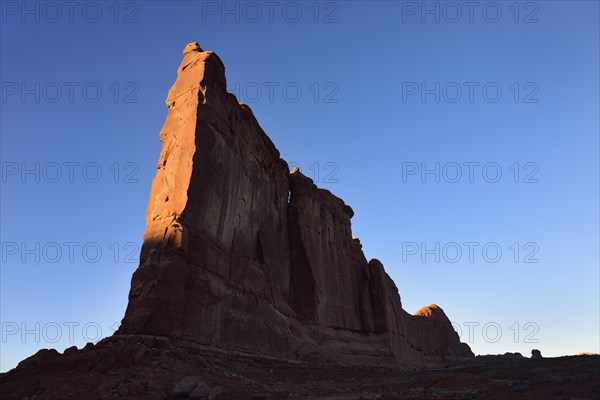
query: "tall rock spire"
239, 253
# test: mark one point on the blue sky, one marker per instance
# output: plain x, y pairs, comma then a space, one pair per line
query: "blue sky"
364, 97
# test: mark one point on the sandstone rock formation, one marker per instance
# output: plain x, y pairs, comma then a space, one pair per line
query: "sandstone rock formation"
239, 253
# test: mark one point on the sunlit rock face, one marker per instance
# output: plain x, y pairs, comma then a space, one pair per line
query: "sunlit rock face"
239, 253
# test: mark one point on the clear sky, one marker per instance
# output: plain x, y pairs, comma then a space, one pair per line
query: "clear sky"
465, 137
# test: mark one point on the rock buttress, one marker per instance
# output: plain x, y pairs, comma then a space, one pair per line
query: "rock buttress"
350, 307
213, 267
431, 332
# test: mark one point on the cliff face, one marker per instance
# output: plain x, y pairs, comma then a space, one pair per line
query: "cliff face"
240, 253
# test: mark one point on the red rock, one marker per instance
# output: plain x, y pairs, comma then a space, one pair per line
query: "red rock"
41, 357
201, 391
430, 330
70, 350
185, 387
227, 261
245, 376
104, 360
218, 393
136, 388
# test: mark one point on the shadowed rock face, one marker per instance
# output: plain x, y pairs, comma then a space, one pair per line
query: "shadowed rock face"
428, 330
239, 253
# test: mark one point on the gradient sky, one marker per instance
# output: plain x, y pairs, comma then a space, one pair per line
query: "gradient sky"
341, 95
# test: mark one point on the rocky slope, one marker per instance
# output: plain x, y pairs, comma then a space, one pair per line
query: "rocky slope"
157, 368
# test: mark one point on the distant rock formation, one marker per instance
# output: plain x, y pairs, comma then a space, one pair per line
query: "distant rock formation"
239, 253
536, 354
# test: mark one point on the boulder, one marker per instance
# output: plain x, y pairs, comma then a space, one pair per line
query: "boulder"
187, 385
201, 391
